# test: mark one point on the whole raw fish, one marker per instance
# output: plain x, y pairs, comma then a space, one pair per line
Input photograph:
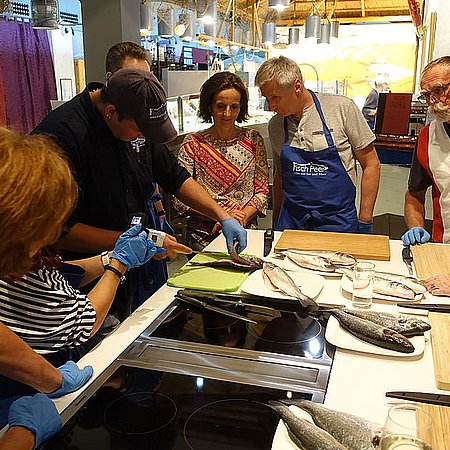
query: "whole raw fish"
405, 325
373, 333
384, 286
305, 434
413, 283
279, 280
354, 432
240, 262
309, 261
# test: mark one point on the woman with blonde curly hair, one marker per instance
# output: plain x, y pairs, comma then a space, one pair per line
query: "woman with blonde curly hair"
37, 302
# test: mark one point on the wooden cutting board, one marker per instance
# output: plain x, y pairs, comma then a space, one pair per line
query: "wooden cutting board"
440, 343
361, 246
439, 435
431, 259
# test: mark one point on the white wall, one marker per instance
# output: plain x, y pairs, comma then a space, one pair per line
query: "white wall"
61, 45
442, 43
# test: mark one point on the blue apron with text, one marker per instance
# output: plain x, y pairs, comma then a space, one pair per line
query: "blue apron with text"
318, 192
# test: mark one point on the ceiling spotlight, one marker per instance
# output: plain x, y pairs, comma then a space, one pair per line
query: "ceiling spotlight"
279, 5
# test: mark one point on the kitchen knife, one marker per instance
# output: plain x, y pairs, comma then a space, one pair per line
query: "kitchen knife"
421, 397
268, 240
408, 259
195, 302
434, 307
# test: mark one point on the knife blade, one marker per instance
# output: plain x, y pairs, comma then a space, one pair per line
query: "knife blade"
408, 259
421, 397
196, 302
434, 307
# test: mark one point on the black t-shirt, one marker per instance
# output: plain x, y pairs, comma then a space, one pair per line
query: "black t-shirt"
114, 181
419, 179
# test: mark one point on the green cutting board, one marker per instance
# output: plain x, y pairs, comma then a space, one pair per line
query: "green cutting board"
208, 278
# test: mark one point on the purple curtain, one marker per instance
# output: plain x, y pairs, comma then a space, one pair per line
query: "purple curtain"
27, 72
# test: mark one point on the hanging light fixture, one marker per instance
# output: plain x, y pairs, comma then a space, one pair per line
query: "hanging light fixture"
145, 18
334, 28
294, 36
45, 14
269, 33
191, 29
279, 5
312, 22
325, 33
166, 21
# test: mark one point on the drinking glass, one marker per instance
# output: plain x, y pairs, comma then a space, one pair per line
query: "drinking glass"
408, 427
362, 284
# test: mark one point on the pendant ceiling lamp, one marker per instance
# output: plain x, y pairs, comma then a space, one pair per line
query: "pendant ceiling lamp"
279, 5
312, 22
191, 28
294, 36
45, 14
325, 33
334, 28
145, 18
269, 33
166, 22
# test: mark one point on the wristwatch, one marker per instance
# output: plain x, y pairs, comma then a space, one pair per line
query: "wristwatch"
104, 257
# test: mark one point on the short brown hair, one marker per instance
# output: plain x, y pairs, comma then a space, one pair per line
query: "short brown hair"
118, 52
217, 83
37, 194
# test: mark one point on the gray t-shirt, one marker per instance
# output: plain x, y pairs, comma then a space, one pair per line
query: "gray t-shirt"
346, 123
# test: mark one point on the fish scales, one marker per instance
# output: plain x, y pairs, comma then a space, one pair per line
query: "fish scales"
384, 286
413, 283
354, 432
373, 333
309, 261
405, 325
281, 280
305, 434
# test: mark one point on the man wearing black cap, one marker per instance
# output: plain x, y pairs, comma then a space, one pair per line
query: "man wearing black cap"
115, 182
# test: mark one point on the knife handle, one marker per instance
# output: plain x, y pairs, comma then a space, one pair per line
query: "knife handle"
421, 397
268, 239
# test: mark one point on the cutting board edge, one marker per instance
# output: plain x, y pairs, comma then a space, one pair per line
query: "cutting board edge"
439, 366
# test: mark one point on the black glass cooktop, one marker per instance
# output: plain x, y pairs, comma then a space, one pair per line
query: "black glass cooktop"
275, 331
162, 411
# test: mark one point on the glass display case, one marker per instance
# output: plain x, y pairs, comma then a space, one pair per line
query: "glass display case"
183, 112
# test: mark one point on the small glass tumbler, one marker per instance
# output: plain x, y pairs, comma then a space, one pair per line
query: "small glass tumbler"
362, 284
408, 427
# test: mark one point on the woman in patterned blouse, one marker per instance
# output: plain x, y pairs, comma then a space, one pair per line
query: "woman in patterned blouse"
230, 162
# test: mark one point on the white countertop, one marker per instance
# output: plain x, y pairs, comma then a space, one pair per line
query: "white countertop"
357, 384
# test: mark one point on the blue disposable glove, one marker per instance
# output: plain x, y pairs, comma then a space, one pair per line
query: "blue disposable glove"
365, 228
37, 414
233, 231
133, 248
416, 235
72, 378
166, 227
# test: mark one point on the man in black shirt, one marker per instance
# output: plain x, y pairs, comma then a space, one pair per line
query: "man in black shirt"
115, 181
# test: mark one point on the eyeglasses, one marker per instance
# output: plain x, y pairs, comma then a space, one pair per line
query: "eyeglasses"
437, 92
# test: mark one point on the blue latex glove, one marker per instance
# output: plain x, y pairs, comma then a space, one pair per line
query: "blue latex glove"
166, 227
133, 248
365, 228
233, 231
37, 414
72, 378
416, 235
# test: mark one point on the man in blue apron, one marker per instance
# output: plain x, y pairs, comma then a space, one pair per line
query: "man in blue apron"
316, 141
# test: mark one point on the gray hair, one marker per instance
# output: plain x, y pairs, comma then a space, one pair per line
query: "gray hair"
442, 61
283, 70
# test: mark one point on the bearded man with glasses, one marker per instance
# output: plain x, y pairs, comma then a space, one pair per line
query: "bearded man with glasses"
431, 160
